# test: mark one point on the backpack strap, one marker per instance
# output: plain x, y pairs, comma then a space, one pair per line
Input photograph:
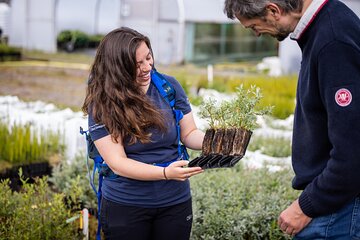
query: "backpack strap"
98, 164
165, 89
168, 92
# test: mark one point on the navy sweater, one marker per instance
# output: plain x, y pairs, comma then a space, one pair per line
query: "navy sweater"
326, 137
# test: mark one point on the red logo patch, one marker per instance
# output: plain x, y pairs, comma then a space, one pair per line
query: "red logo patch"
343, 97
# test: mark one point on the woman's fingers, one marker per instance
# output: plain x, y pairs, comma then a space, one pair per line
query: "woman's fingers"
177, 171
180, 163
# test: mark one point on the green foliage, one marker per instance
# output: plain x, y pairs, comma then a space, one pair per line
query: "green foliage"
71, 40
8, 53
36, 212
94, 40
4, 49
271, 146
237, 113
66, 174
81, 39
238, 203
196, 100
64, 36
277, 91
21, 145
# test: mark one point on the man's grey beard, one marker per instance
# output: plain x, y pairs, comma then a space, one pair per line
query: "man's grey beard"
282, 34
281, 37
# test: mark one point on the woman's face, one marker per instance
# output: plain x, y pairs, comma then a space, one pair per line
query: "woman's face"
144, 64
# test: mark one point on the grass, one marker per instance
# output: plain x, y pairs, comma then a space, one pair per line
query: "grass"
77, 57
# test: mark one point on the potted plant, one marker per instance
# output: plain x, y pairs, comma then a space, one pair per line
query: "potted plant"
230, 127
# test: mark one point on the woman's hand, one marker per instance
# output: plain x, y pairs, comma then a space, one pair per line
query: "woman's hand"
178, 171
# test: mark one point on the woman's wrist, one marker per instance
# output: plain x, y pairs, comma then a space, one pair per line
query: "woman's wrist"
164, 173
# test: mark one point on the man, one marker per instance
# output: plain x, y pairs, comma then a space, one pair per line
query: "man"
326, 136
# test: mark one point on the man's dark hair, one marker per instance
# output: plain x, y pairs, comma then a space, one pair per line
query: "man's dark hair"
257, 8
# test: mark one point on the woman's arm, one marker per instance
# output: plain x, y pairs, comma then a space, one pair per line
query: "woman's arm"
191, 136
115, 157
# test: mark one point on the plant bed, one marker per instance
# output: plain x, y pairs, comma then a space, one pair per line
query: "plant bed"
37, 212
8, 53
29, 149
231, 124
29, 171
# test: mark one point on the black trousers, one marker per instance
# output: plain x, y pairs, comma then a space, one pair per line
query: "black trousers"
120, 222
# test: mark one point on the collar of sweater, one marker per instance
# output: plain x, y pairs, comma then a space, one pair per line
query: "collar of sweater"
309, 16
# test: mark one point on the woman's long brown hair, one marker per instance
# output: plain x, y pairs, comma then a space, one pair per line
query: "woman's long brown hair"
113, 96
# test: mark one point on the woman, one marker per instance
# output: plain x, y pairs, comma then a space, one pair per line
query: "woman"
134, 130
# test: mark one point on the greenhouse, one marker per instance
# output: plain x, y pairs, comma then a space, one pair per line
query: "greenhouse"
179, 32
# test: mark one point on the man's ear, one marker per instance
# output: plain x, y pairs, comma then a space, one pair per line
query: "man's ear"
274, 10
